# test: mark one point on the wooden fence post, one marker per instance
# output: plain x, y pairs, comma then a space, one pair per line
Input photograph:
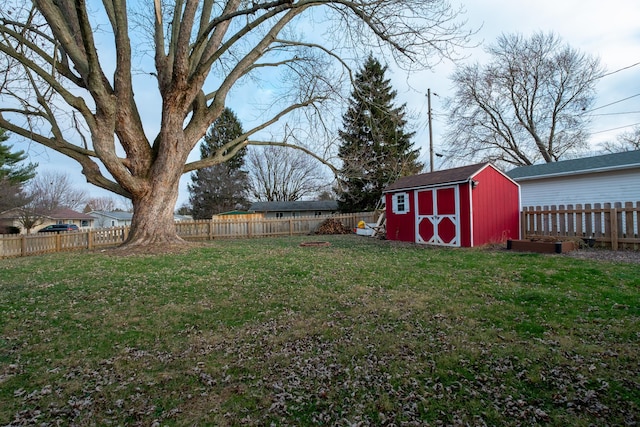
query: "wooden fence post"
539, 221
562, 223
579, 224
598, 213
628, 222
23, 245
614, 228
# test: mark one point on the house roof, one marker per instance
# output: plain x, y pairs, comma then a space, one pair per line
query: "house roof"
447, 176
128, 216
118, 215
236, 212
57, 214
65, 213
604, 163
297, 206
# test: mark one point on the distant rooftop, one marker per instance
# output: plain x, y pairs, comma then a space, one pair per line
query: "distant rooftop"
297, 206
66, 213
603, 163
119, 215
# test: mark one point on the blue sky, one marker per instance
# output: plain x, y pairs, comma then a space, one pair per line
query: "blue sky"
609, 30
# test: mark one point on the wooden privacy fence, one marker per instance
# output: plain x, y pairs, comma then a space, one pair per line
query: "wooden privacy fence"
609, 225
228, 227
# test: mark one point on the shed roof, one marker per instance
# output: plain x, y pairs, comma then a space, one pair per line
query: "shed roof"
603, 163
447, 176
296, 206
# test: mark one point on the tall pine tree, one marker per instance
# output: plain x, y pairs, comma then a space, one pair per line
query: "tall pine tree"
375, 148
222, 187
13, 174
10, 167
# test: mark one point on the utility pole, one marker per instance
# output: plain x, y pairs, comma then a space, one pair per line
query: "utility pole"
430, 130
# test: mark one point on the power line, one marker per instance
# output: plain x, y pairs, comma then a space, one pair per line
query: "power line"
609, 130
617, 114
618, 70
612, 103
614, 72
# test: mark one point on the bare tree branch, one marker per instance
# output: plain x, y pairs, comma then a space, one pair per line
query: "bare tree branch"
526, 105
79, 94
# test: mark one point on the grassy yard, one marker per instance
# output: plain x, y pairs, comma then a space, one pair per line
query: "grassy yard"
265, 332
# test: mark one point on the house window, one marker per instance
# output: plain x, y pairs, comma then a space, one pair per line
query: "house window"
318, 213
279, 214
84, 223
400, 203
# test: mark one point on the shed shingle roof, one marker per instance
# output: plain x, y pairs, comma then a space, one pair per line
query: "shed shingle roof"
606, 162
447, 176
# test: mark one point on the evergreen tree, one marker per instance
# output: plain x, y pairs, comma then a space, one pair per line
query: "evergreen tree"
10, 168
13, 175
221, 187
375, 150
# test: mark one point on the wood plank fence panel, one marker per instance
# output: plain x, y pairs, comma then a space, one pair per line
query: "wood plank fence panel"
613, 225
579, 224
597, 221
224, 227
571, 228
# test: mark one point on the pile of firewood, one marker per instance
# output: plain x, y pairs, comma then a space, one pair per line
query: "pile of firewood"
332, 226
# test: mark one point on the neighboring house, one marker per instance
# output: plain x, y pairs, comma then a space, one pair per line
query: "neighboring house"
295, 209
600, 179
106, 219
57, 216
466, 206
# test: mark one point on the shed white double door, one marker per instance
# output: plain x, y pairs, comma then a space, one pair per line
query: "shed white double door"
438, 216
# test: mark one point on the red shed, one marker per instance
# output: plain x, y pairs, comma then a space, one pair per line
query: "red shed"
466, 206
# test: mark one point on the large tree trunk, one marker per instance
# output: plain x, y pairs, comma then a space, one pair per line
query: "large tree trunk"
153, 221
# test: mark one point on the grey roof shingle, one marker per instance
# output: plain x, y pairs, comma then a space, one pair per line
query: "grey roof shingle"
446, 176
118, 215
606, 162
297, 206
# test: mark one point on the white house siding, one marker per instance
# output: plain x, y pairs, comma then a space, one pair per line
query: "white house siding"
604, 187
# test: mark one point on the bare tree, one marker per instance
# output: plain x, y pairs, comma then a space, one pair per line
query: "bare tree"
49, 191
71, 87
627, 141
105, 203
278, 174
29, 217
45, 193
526, 105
